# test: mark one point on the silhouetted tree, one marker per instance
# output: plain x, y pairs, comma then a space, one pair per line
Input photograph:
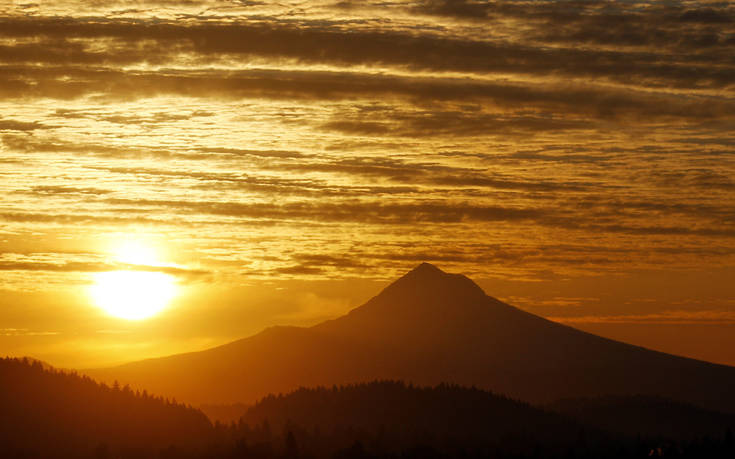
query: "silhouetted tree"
292, 450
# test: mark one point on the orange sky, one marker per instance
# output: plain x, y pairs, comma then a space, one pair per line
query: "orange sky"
285, 161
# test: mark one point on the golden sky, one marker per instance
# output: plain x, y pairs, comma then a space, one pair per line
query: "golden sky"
286, 160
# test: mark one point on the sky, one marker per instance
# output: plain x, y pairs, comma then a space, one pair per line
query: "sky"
281, 162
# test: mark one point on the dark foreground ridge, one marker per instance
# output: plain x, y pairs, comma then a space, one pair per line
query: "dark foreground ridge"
399, 420
50, 414
430, 327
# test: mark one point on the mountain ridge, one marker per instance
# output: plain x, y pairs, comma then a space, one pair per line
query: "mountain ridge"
430, 327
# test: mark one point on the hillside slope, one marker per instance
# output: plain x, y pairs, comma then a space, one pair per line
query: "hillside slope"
48, 413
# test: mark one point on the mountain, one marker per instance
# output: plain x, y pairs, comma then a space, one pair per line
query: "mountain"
49, 413
430, 327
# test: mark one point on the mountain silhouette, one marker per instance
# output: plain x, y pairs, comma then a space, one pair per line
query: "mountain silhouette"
430, 327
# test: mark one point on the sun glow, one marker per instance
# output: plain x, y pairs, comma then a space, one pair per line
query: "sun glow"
138, 293
136, 253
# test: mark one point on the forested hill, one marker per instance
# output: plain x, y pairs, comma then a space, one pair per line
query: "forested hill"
399, 415
49, 413
46, 413
647, 415
394, 419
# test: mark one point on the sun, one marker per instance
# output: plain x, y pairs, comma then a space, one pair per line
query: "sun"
137, 293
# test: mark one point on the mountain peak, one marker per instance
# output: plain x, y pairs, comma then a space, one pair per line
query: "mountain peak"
418, 304
426, 280
426, 269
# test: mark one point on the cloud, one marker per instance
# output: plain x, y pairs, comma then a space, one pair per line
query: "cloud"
76, 219
54, 267
91, 267
640, 24
429, 212
340, 262
463, 9
429, 174
64, 190
571, 105
25, 332
686, 317
402, 214
156, 42
24, 126
56, 145
299, 270
595, 125
239, 152
454, 123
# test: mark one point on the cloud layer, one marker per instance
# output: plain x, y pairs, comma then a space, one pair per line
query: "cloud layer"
325, 139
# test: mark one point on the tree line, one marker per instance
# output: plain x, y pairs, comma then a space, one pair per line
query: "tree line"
46, 413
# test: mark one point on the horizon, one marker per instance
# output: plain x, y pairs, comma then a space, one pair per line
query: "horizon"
603, 326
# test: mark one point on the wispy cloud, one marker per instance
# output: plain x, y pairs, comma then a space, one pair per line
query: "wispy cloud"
667, 317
